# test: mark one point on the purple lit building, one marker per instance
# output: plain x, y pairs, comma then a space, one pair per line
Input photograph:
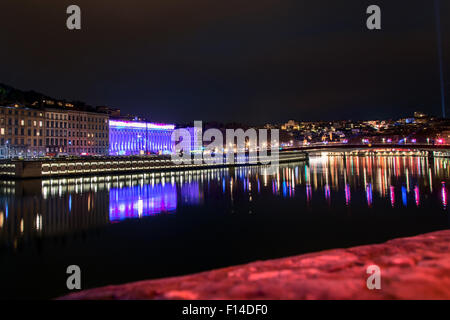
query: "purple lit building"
138, 137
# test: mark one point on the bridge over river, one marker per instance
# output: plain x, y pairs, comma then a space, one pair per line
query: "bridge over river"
439, 150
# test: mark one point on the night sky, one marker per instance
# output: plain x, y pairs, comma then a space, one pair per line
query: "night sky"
230, 60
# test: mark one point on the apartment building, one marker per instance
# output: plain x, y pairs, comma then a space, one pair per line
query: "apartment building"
31, 133
56, 131
75, 132
88, 133
21, 132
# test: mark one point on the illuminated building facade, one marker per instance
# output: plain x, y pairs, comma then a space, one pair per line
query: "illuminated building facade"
75, 132
34, 133
138, 137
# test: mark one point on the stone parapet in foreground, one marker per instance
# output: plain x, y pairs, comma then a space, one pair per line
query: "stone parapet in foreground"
411, 268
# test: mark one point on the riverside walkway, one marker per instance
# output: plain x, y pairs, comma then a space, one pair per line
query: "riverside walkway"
79, 166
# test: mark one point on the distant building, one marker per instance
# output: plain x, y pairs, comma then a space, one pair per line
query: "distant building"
291, 125
444, 135
112, 112
406, 120
420, 115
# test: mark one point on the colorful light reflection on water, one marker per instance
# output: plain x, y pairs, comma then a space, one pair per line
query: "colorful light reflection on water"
324, 181
138, 201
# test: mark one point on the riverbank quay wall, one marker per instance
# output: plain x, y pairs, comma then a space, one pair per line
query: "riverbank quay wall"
45, 168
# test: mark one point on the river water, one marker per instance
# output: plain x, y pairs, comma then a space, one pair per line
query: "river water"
126, 228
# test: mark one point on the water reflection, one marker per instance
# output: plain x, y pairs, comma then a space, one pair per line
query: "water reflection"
50, 207
383, 176
141, 200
